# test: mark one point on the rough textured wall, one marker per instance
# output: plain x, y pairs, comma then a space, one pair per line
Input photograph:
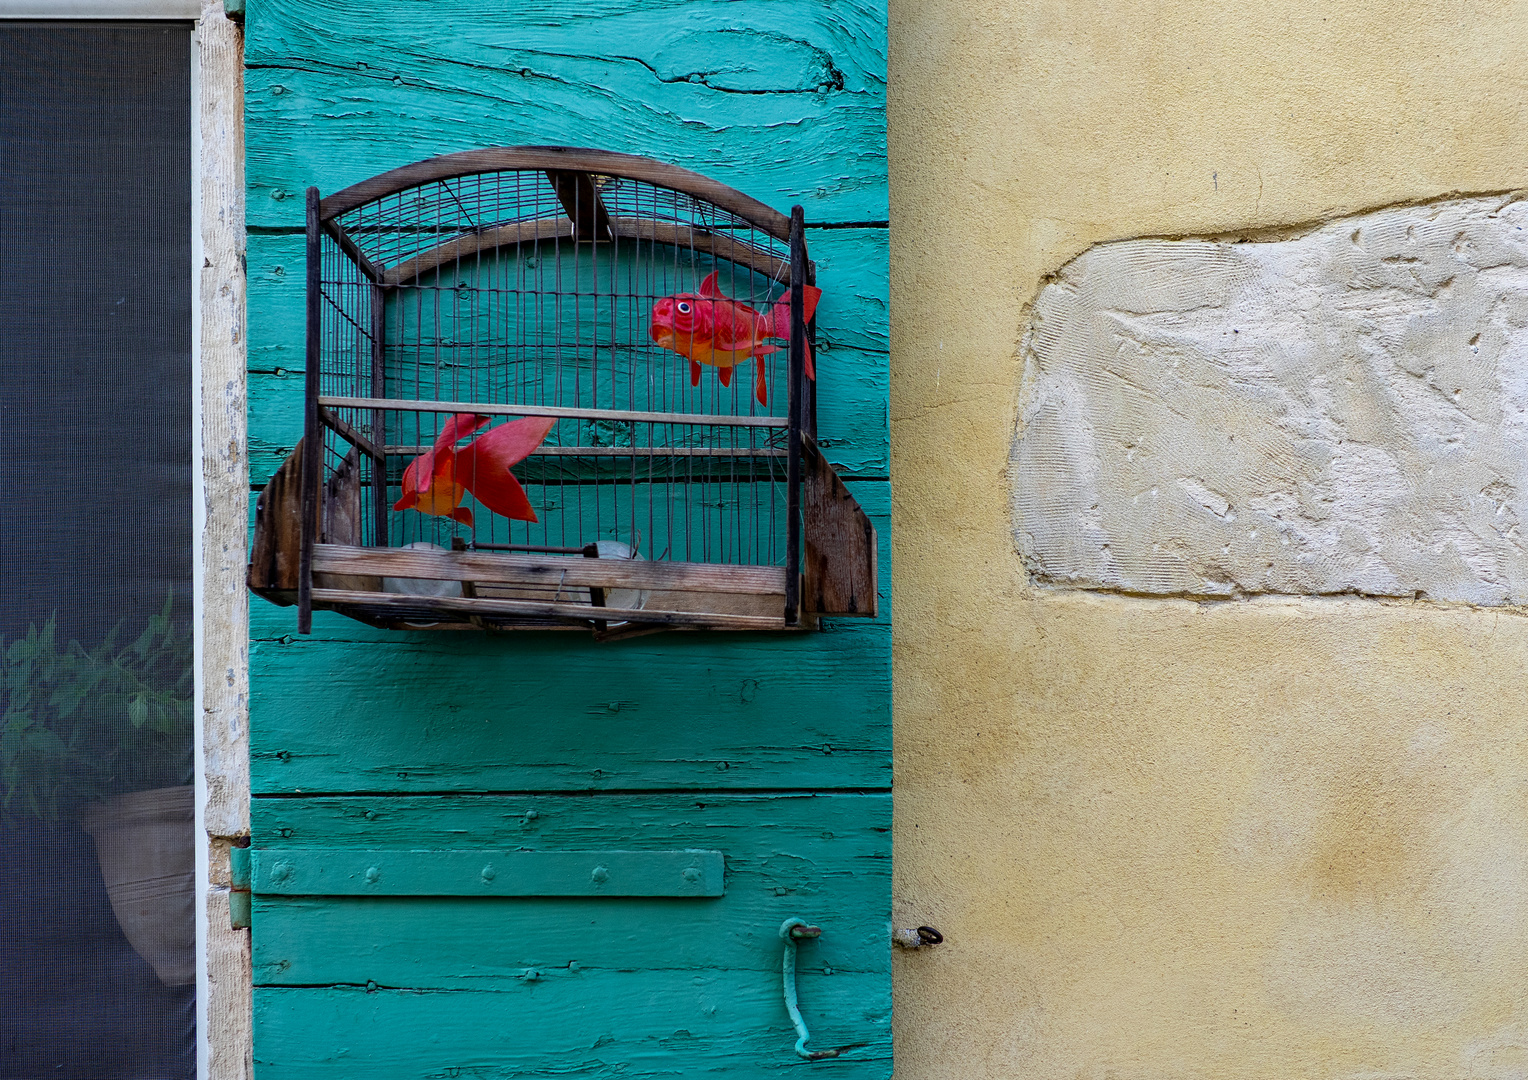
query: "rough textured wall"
1345, 411
1263, 837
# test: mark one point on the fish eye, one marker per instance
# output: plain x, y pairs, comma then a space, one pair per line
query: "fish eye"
684, 308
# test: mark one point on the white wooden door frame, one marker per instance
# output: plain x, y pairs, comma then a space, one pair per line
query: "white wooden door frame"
220, 501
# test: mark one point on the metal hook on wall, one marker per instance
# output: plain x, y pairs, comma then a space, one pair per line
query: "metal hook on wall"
916, 937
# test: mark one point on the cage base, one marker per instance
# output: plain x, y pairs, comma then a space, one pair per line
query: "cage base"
492, 590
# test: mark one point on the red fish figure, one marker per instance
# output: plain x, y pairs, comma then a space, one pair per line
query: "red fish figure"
712, 329
436, 480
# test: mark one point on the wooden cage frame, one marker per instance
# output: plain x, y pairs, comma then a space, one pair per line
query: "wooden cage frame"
307, 549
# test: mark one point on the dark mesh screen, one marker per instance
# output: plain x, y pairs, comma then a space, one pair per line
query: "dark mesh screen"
97, 957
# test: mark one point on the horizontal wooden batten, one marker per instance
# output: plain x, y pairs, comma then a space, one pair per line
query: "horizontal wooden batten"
689, 872
489, 409
417, 608
551, 571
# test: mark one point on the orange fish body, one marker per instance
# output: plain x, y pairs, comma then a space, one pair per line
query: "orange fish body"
719, 332
436, 481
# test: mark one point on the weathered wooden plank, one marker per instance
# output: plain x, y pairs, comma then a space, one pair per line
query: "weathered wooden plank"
782, 100
406, 606
796, 831
587, 1023
551, 570
465, 943
277, 534
823, 855
398, 711
340, 91
286, 871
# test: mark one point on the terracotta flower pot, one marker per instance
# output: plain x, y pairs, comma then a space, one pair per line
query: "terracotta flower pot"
146, 845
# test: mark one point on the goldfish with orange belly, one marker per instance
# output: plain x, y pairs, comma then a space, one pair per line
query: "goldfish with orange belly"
720, 332
436, 480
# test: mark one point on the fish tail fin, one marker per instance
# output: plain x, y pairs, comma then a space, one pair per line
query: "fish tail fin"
780, 315
503, 494
506, 445
458, 427
694, 372
483, 467
781, 319
410, 496
810, 294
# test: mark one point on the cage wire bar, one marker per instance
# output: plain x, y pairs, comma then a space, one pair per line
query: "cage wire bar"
522, 282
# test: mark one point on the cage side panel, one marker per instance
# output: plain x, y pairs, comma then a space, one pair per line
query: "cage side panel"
840, 544
277, 536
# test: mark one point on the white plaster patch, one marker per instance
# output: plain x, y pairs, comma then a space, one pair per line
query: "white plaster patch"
1343, 412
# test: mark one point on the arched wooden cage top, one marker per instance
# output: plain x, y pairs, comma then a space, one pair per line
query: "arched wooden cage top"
527, 282
574, 173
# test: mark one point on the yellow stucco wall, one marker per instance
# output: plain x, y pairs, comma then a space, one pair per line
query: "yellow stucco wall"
1253, 839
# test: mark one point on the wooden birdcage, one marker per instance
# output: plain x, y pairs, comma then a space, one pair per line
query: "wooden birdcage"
499, 285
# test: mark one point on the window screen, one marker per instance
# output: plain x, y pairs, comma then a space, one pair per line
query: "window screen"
97, 946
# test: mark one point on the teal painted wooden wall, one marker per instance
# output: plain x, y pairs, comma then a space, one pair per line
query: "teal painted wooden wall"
774, 750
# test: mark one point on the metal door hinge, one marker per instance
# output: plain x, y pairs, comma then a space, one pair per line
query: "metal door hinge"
239, 908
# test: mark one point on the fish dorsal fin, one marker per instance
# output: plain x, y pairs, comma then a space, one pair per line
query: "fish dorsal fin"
708, 287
